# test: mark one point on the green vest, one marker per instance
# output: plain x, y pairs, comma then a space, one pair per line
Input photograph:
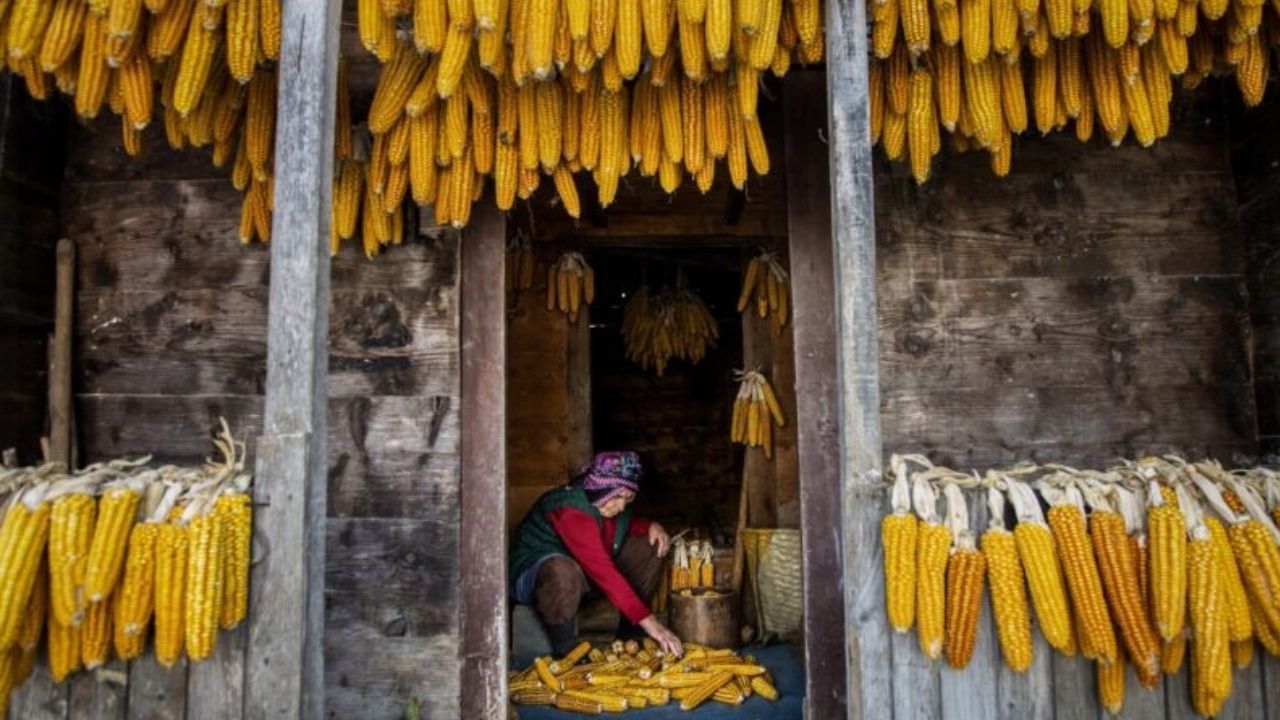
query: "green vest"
535, 538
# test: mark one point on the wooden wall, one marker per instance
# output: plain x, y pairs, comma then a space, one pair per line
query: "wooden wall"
1091, 306
1255, 160
31, 161
170, 336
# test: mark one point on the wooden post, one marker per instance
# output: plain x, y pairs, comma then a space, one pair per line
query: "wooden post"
284, 675
853, 242
483, 535
60, 358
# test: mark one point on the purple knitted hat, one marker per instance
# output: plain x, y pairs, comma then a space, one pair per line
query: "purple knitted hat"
609, 474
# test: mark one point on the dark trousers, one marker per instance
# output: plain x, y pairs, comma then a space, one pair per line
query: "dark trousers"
561, 583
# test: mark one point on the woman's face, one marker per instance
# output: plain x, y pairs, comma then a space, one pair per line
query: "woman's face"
617, 503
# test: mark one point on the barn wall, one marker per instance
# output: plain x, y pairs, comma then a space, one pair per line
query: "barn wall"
1093, 306
171, 335
31, 160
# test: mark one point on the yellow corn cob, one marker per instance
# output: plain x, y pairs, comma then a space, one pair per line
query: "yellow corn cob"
884, 27
1249, 544
1167, 538
693, 130
1045, 92
62, 650
920, 124
27, 22
1004, 26
669, 96
934, 542
757, 150
1137, 107
91, 84
1172, 654
1013, 98
898, 534
982, 96
1242, 653
95, 635
269, 29
915, 24
1211, 657
736, 157
1110, 685
203, 597
1058, 14
110, 536
135, 597
705, 690
198, 53
946, 63
578, 705
1071, 87
242, 38
894, 137
1097, 638
549, 105
543, 16
34, 611
260, 118
1269, 639
1008, 598
765, 40
70, 534
137, 86
236, 518
171, 550
976, 19
1044, 578
1120, 580
1236, 601
63, 34
1251, 74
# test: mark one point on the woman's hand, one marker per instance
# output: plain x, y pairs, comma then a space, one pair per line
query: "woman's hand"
658, 536
666, 639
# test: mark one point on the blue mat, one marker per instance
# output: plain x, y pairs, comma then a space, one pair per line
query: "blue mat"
783, 662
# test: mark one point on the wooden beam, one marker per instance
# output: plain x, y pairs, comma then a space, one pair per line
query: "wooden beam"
853, 240
483, 534
284, 670
817, 421
60, 431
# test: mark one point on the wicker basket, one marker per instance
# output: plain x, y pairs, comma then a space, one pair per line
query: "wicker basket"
774, 578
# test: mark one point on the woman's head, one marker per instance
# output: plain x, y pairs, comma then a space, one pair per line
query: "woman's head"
611, 481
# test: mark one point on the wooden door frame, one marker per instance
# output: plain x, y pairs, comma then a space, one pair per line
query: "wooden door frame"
837, 403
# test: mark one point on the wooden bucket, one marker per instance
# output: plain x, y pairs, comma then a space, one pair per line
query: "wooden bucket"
706, 619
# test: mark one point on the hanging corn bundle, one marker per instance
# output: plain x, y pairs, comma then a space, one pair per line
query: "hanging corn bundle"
521, 261
126, 546
1208, 538
571, 284
671, 324
755, 411
1105, 67
767, 287
692, 565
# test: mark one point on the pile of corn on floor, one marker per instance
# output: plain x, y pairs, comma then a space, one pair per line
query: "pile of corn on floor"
783, 661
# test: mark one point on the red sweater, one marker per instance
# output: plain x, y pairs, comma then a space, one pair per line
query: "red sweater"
589, 544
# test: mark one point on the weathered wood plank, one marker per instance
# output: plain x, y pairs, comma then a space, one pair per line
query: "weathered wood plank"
1139, 702
1247, 701
156, 692
483, 533
1075, 689
98, 696
1177, 695
1270, 682
40, 698
285, 667
916, 681
392, 342
378, 573
215, 687
379, 684
844, 671
1027, 696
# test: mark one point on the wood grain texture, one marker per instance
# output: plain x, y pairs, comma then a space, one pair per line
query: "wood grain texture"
1027, 695
973, 691
98, 696
215, 687
156, 692
1075, 689
482, 646
844, 671
284, 674
40, 698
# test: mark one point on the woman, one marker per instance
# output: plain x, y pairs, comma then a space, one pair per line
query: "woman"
581, 538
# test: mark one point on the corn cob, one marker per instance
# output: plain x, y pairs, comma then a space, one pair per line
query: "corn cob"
898, 535
966, 571
110, 536
1040, 561
1211, 657
62, 650
269, 29
95, 635
1097, 638
1008, 592
933, 547
1120, 580
1111, 685
70, 534
171, 551
1167, 537
22, 538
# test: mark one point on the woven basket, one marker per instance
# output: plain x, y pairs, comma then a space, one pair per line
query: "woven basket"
773, 575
